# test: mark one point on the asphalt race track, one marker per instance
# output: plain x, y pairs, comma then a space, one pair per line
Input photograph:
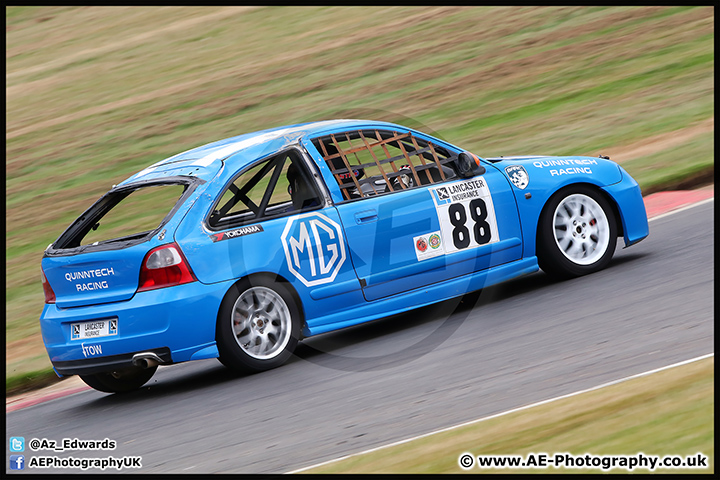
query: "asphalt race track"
519, 343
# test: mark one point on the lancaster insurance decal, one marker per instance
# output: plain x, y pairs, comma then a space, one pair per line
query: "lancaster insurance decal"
466, 214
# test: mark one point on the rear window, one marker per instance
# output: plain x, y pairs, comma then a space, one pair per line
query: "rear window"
123, 215
139, 213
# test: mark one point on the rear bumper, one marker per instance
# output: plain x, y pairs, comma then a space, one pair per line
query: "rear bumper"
175, 323
107, 363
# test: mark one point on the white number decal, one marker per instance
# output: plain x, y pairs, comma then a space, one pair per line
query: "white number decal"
466, 214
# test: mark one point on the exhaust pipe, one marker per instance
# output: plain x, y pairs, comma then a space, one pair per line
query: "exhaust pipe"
146, 360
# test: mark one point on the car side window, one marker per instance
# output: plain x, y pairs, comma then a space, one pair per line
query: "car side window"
373, 162
273, 187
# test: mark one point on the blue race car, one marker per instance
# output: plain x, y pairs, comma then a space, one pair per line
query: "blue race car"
240, 248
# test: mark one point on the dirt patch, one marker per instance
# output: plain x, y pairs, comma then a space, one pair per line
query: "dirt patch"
24, 348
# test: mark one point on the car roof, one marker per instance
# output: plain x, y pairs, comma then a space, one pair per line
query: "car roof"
204, 161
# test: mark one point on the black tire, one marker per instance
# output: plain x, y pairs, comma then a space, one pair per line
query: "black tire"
120, 381
258, 325
577, 233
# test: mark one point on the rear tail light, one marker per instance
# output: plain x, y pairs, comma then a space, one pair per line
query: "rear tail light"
164, 266
47, 289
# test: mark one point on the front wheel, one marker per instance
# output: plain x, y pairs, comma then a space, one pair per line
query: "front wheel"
120, 381
577, 233
258, 326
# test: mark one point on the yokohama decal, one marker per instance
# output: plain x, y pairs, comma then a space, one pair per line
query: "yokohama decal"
239, 232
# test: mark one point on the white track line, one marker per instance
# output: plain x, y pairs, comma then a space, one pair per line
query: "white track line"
519, 409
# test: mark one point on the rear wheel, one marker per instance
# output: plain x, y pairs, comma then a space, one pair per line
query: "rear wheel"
258, 326
577, 233
119, 381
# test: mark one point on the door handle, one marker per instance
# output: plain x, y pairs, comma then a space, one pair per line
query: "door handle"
366, 216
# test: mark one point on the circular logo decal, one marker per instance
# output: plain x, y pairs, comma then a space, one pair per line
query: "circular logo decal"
421, 244
434, 240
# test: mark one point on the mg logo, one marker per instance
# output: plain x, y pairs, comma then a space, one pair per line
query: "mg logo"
314, 248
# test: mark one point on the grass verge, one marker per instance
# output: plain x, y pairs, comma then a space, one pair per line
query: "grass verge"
16, 384
666, 413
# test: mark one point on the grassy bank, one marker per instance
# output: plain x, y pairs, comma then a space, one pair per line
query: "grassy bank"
95, 94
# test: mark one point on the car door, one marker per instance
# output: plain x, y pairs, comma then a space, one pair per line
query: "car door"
407, 224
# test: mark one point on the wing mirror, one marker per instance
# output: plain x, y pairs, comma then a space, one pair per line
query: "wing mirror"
469, 165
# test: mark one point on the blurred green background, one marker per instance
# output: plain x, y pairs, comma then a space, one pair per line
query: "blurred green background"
95, 94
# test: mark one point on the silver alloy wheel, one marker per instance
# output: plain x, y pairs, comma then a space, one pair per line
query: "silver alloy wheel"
581, 229
261, 323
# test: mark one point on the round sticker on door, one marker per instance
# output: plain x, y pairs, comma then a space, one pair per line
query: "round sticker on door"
428, 246
434, 241
421, 244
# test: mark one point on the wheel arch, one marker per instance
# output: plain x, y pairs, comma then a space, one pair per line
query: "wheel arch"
271, 277
611, 201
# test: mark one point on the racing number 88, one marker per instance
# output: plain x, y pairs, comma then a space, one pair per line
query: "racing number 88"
458, 217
